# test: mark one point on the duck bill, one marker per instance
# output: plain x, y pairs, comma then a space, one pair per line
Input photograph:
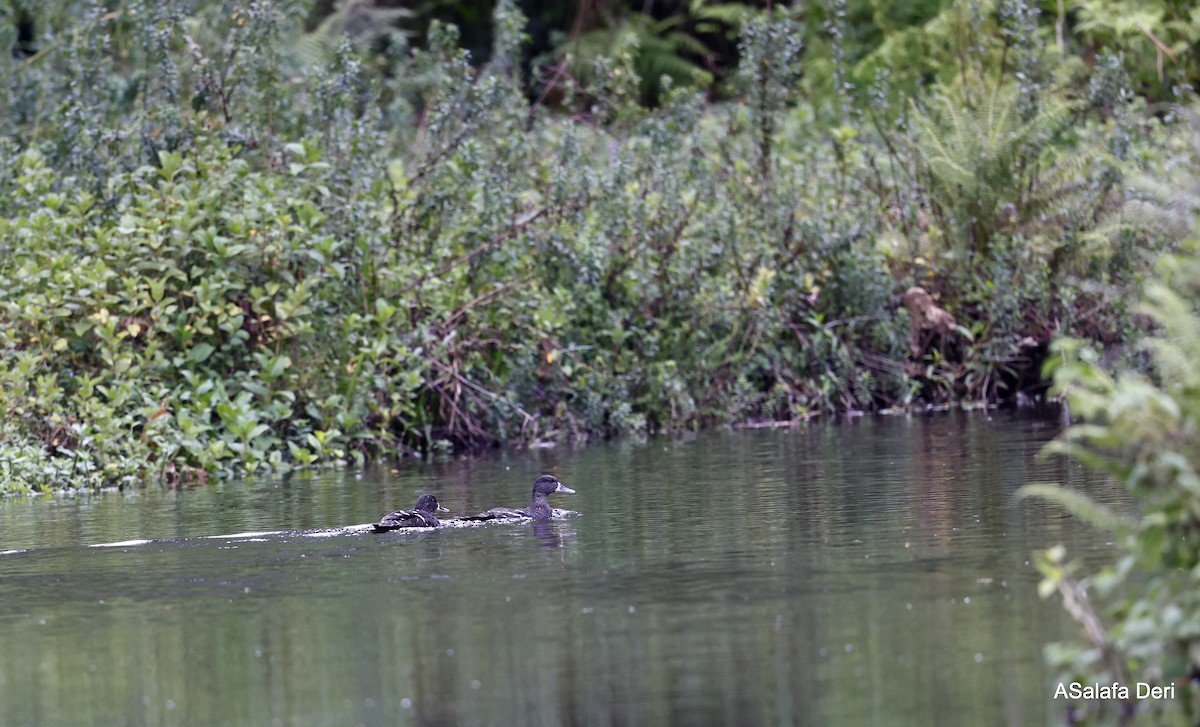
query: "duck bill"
442, 509
563, 488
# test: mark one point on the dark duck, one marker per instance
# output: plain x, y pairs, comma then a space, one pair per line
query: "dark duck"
421, 516
539, 506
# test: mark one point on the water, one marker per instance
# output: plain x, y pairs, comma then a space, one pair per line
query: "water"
869, 572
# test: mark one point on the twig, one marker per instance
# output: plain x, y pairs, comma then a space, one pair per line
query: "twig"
519, 225
485, 298
1058, 26
1160, 47
559, 70
492, 395
464, 381
1074, 601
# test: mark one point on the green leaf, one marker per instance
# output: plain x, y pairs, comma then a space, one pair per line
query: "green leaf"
200, 352
1046, 588
278, 365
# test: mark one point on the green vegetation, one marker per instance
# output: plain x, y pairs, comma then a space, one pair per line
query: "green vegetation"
229, 246
1142, 431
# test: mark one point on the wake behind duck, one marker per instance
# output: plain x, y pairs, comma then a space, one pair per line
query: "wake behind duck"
421, 517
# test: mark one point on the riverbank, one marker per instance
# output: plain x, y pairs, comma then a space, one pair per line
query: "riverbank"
331, 264
813, 419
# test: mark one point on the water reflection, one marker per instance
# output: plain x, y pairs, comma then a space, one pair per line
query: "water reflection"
867, 573
550, 534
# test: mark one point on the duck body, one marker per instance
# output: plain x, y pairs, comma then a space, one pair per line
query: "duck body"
421, 516
539, 506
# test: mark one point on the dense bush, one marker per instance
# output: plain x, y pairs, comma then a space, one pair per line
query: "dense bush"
228, 246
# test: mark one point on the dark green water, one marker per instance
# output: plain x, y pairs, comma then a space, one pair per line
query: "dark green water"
871, 572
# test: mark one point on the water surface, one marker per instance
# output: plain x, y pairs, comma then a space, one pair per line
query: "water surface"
866, 572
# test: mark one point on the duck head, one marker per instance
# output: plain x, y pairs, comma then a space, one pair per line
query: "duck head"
429, 503
547, 484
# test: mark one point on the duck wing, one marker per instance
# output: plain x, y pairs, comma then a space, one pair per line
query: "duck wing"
405, 519
496, 513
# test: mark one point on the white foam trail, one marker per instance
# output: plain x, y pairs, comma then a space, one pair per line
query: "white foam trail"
259, 536
121, 544
329, 533
253, 534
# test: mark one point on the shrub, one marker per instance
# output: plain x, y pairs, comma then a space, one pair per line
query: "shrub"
225, 251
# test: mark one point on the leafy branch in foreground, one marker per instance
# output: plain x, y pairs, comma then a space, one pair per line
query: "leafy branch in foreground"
1145, 433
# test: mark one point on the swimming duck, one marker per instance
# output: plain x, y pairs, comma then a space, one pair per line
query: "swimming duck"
539, 506
421, 516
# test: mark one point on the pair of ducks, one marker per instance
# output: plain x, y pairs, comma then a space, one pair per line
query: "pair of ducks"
422, 515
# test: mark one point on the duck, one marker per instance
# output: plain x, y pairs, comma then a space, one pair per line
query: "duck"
539, 506
421, 516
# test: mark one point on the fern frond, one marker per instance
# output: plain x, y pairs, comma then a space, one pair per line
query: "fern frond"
732, 14
310, 49
354, 19
689, 43
1076, 503
983, 156
995, 120
1176, 352
1060, 183
364, 20
941, 151
662, 27
1054, 114
658, 59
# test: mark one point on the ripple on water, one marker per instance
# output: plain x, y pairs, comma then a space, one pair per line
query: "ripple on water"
768, 577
